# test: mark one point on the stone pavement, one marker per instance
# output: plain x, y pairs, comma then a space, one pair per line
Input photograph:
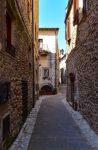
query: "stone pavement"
22, 141
55, 128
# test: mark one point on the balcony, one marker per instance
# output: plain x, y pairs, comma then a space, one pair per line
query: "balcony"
43, 49
10, 48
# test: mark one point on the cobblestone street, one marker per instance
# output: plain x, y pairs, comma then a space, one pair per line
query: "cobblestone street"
55, 128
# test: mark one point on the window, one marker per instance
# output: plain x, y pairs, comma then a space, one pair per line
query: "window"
68, 36
85, 7
8, 27
46, 73
4, 91
40, 44
6, 127
9, 47
76, 13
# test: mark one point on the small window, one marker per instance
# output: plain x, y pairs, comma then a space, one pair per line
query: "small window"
85, 7
40, 41
40, 44
6, 127
46, 73
8, 27
4, 91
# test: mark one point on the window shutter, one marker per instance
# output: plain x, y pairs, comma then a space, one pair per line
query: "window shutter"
74, 5
75, 9
68, 29
8, 27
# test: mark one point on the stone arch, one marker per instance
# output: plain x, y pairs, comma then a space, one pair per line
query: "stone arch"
46, 89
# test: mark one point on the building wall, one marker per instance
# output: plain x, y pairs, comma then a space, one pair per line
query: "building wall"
62, 78
82, 61
35, 47
44, 64
58, 68
18, 68
50, 39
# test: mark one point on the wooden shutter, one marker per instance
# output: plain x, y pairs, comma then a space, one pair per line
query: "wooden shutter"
74, 7
75, 11
68, 29
8, 27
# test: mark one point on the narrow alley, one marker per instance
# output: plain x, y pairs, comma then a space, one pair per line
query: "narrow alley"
48, 75
55, 129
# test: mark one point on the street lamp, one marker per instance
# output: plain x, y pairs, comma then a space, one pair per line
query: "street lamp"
62, 51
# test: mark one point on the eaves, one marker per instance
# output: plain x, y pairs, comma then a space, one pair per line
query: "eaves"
68, 9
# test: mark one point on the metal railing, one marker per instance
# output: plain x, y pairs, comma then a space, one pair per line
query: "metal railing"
43, 47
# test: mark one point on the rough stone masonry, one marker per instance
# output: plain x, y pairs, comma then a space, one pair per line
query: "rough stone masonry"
15, 67
83, 60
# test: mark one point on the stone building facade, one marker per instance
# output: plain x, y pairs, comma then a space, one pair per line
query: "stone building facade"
48, 60
36, 49
62, 69
82, 58
16, 67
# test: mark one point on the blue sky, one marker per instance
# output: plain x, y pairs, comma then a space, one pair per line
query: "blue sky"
52, 14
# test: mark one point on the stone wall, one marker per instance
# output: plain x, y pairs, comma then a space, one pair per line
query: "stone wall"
18, 68
83, 62
36, 47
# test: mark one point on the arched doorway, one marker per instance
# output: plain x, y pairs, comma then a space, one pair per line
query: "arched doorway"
46, 90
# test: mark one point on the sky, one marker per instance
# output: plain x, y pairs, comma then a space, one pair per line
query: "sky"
52, 14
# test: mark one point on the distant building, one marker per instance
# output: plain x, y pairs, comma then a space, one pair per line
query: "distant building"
48, 71
16, 67
82, 58
62, 75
